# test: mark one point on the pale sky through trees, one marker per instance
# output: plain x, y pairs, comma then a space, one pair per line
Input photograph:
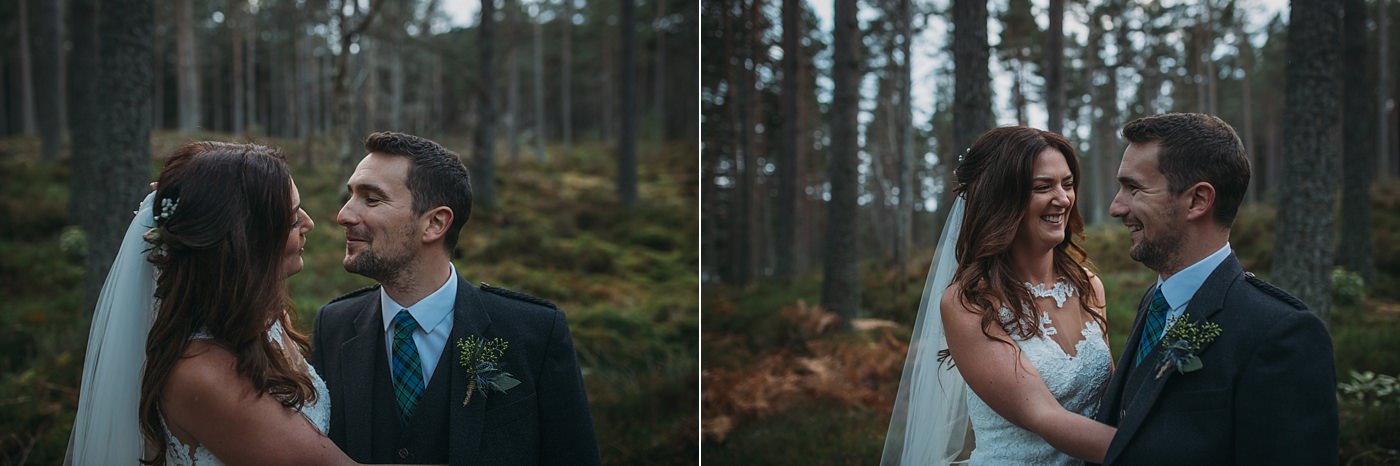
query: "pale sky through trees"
928, 53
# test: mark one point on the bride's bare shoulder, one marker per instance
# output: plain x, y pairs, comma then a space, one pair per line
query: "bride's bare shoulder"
206, 372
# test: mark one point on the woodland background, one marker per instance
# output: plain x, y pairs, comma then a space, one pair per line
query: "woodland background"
828, 136
577, 119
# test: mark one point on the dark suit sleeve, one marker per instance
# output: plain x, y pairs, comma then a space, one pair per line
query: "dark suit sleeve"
566, 427
317, 342
1286, 399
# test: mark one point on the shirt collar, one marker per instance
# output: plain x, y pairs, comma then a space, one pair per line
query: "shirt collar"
430, 311
1183, 285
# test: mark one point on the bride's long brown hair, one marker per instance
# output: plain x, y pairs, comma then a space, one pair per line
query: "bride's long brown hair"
994, 178
220, 271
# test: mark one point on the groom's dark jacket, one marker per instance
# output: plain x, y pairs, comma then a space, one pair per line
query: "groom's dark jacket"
542, 421
1266, 394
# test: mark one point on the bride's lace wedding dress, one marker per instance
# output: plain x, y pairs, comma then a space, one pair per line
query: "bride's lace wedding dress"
1077, 381
318, 413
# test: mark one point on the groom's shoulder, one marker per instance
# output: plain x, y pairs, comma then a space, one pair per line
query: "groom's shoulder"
1267, 292
352, 296
516, 298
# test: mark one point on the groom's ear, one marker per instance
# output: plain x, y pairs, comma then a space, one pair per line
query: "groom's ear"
1200, 200
439, 221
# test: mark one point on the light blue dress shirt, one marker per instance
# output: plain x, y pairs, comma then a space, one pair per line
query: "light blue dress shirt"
434, 316
1183, 285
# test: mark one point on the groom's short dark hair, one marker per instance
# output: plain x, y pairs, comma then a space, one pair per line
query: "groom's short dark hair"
436, 177
1195, 147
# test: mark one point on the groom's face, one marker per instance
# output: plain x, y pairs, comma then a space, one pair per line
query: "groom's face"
1148, 208
380, 227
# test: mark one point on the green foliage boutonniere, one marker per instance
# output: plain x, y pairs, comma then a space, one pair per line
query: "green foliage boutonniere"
1183, 340
482, 360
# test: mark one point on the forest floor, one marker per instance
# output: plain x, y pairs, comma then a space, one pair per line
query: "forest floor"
782, 385
625, 279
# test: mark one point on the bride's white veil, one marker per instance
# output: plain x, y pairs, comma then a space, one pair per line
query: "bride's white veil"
929, 424
107, 430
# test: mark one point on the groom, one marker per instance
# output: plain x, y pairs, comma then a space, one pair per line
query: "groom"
1264, 391
390, 353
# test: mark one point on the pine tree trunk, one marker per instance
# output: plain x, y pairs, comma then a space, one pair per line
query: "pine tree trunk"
512, 115
787, 159
483, 152
48, 67
659, 81
236, 102
1246, 51
26, 70
123, 130
82, 116
1358, 158
972, 96
1054, 68
566, 78
1385, 158
1303, 243
627, 146
904, 142
540, 119
187, 76
840, 279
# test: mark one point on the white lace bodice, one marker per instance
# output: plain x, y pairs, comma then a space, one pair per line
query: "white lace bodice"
317, 412
1076, 381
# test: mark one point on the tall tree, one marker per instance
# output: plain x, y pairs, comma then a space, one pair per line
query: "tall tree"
187, 74
566, 77
538, 43
1303, 243
512, 115
787, 159
350, 24
1383, 154
26, 69
1246, 51
82, 119
1358, 156
48, 67
236, 15
120, 170
627, 146
483, 152
1020, 44
1054, 68
904, 139
840, 276
972, 96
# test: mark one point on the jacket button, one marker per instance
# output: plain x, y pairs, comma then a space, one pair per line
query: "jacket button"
403, 453
1122, 413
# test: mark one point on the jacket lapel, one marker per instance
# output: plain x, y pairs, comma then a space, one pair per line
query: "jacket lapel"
468, 318
357, 395
1143, 383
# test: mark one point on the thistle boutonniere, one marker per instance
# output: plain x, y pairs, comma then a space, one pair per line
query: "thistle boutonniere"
482, 360
1182, 341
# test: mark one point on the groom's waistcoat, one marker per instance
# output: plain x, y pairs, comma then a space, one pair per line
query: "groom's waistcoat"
423, 439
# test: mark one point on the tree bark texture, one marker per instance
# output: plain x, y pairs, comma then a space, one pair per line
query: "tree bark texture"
840, 279
48, 67
786, 221
483, 152
1358, 160
124, 133
1303, 245
627, 146
1054, 68
187, 73
972, 96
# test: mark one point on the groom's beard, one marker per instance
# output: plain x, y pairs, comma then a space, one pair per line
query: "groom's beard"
1160, 253
386, 264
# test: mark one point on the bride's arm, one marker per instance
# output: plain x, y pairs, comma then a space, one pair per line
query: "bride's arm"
206, 402
1003, 378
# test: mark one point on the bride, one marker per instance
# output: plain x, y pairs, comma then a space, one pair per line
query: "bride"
1010, 304
196, 305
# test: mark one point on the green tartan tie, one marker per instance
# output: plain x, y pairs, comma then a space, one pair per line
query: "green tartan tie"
1152, 329
408, 368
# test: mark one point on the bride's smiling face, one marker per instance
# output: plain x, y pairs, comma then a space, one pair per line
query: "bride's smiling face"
296, 239
1051, 198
